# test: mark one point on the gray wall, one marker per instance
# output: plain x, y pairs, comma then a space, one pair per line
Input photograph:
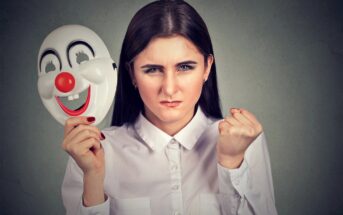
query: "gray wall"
280, 59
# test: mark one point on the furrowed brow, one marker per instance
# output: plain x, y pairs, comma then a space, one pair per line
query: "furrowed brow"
152, 66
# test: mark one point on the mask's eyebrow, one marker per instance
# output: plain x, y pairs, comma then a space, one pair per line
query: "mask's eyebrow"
45, 53
78, 42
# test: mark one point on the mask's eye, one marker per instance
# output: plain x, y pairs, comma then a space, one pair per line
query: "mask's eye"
49, 63
79, 52
81, 56
50, 67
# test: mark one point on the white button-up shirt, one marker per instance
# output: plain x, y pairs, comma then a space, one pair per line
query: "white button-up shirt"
148, 172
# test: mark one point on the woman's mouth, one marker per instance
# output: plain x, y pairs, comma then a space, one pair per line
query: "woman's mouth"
75, 105
170, 104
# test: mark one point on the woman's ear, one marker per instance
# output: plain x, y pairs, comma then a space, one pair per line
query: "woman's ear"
208, 66
132, 76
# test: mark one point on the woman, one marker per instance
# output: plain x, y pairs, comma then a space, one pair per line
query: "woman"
168, 151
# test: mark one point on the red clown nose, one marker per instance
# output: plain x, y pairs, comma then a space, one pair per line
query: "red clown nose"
65, 82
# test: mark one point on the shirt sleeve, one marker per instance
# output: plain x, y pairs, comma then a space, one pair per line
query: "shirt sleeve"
72, 189
249, 189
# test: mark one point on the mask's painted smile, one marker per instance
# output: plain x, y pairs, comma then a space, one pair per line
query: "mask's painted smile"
75, 105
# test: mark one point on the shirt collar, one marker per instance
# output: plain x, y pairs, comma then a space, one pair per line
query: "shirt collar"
157, 139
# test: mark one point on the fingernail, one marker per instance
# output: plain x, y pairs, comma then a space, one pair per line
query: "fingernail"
103, 136
91, 119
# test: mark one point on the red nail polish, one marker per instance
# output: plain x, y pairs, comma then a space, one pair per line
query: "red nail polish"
91, 119
103, 136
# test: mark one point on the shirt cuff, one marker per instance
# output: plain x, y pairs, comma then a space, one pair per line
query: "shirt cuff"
236, 178
100, 209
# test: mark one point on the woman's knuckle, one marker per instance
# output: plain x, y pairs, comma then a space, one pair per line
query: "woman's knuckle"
69, 121
222, 125
251, 132
96, 128
95, 141
86, 132
73, 150
221, 130
67, 147
259, 127
63, 146
232, 131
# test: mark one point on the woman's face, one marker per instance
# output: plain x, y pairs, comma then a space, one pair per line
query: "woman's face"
169, 74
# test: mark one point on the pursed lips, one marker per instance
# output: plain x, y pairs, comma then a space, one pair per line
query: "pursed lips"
170, 103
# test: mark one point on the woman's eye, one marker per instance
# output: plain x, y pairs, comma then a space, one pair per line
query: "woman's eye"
151, 70
185, 67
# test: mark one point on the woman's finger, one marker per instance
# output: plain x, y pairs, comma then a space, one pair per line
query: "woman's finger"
223, 127
80, 128
232, 121
80, 133
252, 118
249, 115
83, 135
84, 147
242, 119
73, 122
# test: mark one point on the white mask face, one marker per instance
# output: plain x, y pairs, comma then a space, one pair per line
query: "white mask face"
76, 75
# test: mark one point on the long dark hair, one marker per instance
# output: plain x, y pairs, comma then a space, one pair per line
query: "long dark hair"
162, 19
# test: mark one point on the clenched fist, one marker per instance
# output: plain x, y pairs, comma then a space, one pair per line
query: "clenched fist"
236, 132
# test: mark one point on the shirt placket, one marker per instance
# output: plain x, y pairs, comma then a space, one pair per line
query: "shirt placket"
173, 151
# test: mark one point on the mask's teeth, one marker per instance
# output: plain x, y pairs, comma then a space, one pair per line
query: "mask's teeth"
70, 98
76, 96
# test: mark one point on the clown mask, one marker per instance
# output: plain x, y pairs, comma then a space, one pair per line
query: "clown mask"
76, 75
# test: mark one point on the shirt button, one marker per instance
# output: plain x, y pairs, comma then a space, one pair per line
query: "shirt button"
173, 141
175, 187
174, 167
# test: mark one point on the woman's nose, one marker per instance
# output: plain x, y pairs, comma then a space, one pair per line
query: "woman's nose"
169, 85
65, 82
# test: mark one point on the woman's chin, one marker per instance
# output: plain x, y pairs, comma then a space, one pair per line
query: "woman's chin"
170, 117
173, 116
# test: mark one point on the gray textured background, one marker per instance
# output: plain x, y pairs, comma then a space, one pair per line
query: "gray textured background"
280, 59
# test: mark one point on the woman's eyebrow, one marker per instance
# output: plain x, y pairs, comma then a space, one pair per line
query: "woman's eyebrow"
161, 67
151, 65
186, 62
